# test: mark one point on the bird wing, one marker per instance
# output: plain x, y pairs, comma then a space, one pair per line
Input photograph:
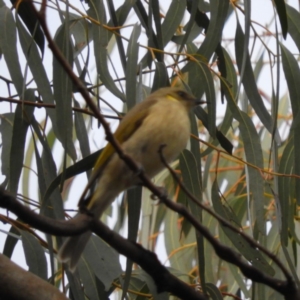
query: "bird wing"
127, 127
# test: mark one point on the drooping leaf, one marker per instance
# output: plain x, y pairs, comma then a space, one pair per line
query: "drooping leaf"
253, 154
31, 21
62, 88
81, 166
22, 120
249, 82
191, 179
146, 22
80, 29
103, 260
115, 23
172, 20
8, 44
213, 291
293, 24
81, 133
39, 73
88, 279
292, 75
131, 66
11, 241
199, 73
134, 197
284, 205
6, 130
253, 255
218, 11
281, 11
101, 39
35, 255
53, 206
161, 78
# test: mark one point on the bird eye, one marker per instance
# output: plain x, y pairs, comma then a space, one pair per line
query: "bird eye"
181, 94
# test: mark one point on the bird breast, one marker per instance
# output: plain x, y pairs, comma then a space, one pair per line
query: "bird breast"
171, 129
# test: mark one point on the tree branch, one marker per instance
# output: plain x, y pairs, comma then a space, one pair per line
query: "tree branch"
74, 226
18, 284
164, 280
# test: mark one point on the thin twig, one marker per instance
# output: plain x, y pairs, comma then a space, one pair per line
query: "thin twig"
41, 104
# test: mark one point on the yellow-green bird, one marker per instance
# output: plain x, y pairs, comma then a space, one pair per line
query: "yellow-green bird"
161, 119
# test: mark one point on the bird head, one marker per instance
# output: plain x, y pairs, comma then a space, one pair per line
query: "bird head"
178, 94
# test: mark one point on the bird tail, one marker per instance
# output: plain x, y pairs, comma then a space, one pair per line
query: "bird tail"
72, 249
73, 246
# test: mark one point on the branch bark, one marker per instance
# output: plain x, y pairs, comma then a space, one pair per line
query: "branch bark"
18, 284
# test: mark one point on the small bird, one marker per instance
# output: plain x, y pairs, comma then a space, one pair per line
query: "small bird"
161, 119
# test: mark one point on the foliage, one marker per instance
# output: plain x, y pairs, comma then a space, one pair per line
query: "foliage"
49, 136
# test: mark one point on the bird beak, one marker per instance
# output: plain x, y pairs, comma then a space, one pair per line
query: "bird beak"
200, 101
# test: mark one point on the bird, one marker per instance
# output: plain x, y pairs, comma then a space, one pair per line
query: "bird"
161, 119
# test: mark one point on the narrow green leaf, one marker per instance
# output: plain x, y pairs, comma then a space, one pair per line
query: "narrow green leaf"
81, 133
123, 11
192, 8
28, 161
191, 179
218, 12
259, 66
157, 22
293, 24
246, 37
249, 82
138, 284
87, 277
146, 22
11, 241
63, 87
161, 78
80, 29
172, 238
253, 154
8, 44
292, 75
115, 23
285, 205
188, 37
22, 120
195, 149
29, 18
134, 197
172, 20
39, 164
281, 11
101, 39
254, 256
213, 291
220, 138
131, 66
34, 255
39, 73
6, 130
152, 286
190, 175
54, 206
239, 279
76, 291
199, 73
79, 167
103, 260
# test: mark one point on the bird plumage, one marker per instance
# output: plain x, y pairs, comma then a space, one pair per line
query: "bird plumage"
162, 118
